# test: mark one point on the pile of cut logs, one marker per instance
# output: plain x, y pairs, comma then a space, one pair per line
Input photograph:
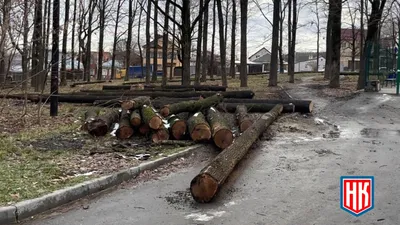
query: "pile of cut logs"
160, 117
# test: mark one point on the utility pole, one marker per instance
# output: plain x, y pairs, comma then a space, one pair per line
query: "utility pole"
55, 59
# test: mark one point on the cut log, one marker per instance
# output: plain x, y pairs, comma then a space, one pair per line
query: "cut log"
256, 107
102, 124
144, 129
243, 119
90, 115
145, 88
85, 83
302, 106
135, 103
198, 127
195, 87
206, 184
191, 106
161, 101
177, 127
107, 103
125, 131
136, 119
221, 133
161, 134
157, 89
151, 117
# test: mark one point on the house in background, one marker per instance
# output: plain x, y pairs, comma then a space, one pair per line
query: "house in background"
170, 55
310, 65
346, 49
261, 62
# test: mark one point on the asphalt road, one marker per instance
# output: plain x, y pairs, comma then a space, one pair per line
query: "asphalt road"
289, 180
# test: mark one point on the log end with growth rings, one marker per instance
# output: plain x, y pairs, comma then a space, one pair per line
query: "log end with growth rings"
245, 125
223, 138
164, 111
179, 129
124, 132
203, 188
155, 122
127, 105
97, 128
160, 135
136, 122
201, 132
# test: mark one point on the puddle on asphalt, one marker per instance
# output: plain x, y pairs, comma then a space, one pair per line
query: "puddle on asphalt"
378, 133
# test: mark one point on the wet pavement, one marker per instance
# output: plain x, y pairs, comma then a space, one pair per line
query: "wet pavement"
292, 179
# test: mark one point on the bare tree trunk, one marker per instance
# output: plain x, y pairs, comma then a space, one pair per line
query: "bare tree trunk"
212, 63
5, 10
336, 28
222, 43
73, 41
293, 42
148, 18
233, 40
173, 55
318, 33
374, 19
353, 47
25, 45
46, 48
186, 42
64, 45
273, 77
226, 21
165, 46
129, 41
155, 50
198, 49
281, 19
139, 45
328, 61
102, 8
116, 39
243, 42
92, 6
290, 59
37, 49
55, 59
205, 54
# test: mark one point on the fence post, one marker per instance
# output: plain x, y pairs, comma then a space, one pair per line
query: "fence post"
398, 69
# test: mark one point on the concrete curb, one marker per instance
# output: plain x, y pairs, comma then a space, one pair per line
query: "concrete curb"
25, 209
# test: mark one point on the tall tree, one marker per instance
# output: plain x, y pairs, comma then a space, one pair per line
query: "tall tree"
233, 40
47, 35
129, 41
173, 56
335, 38
222, 44
329, 49
212, 63
92, 6
139, 43
102, 6
273, 77
205, 52
317, 23
280, 48
73, 39
64, 45
55, 59
5, 23
165, 47
116, 37
226, 23
148, 19
198, 49
292, 40
243, 42
155, 47
374, 20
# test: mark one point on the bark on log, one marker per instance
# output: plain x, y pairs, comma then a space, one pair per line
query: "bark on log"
111, 88
90, 115
302, 106
102, 124
221, 133
198, 127
136, 119
135, 103
125, 131
151, 117
161, 134
175, 142
191, 106
107, 103
85, 83
206, 184
160, 102
256, 107
195, 87
243, 119
177, 127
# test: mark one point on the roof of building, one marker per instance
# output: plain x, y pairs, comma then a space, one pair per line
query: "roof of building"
346, 34
260, 51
